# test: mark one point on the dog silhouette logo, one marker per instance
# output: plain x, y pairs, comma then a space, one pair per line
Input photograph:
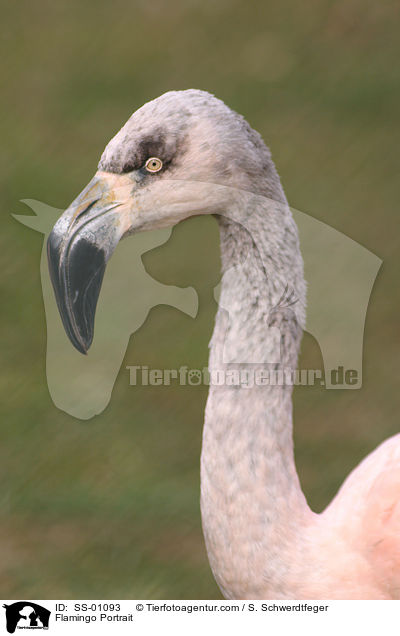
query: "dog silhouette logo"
26, 615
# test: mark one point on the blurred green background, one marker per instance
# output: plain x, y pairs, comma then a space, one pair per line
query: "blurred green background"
108, 508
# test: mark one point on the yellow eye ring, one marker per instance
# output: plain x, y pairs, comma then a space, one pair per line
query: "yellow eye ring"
154, 164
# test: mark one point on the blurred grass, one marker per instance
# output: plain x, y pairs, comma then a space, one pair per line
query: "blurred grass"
109, 508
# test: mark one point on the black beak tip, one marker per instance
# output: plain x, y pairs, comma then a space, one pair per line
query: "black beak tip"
76, 271
82, 347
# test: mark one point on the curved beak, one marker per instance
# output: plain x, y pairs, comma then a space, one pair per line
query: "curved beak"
78, 248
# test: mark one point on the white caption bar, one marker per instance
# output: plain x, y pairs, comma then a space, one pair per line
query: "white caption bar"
194, 617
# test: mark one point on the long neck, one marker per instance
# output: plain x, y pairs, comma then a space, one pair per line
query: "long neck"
253, 509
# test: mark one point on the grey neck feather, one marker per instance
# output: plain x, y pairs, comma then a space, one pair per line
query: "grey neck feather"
253, 508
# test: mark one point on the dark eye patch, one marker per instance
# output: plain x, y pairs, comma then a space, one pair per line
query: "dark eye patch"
128, 167
133, 150
148, 147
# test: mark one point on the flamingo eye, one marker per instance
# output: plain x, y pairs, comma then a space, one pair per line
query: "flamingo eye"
154, 164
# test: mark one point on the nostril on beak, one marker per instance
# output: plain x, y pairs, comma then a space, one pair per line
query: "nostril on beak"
83, 209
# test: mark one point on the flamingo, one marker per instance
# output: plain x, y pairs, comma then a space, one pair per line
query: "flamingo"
186, 153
